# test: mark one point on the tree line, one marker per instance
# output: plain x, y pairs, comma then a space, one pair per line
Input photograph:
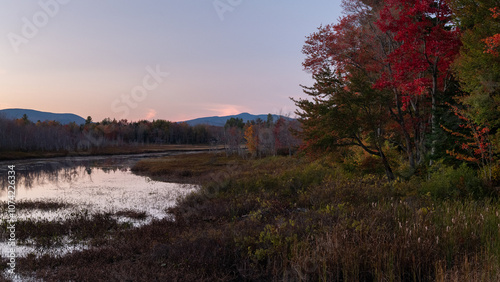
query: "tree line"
263, 138
25, 135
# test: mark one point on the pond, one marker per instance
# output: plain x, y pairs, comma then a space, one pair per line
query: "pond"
84, 185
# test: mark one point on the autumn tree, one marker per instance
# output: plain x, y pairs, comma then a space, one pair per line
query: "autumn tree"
285, 142
22, 134
402, 48
493, 42
252, 139
475, 145
233, 138
477, 67
423, 48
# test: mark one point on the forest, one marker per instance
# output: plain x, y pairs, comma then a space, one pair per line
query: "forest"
268, 137
410, 83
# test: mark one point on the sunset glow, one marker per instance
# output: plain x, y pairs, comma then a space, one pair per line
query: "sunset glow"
106, 59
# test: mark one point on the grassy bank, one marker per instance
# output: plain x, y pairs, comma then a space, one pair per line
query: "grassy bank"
288, 219
191, 168
114, 150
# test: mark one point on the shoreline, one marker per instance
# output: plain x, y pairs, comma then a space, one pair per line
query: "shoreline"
108, 151
201, 167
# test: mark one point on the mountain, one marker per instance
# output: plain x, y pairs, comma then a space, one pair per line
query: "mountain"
221, 121
35, 116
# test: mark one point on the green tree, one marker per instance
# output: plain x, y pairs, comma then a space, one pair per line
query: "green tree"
234, 122
25, 119
345, 113
270, 120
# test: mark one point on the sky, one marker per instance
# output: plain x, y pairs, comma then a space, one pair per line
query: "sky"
157, 59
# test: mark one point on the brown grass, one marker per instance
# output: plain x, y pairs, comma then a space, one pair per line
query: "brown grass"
285, 219
132, 214
187, 168
112, 150
77, 227
37, 205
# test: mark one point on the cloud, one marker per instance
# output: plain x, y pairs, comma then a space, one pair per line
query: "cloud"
226, 109
151, 114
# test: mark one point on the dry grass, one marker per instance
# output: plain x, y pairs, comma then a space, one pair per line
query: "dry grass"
285, 219
187, 168
132, 214
75, 228
36, 205
112, 150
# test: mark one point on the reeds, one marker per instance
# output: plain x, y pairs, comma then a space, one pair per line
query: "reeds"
284, 219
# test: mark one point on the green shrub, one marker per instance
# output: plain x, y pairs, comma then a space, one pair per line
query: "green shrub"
447, 183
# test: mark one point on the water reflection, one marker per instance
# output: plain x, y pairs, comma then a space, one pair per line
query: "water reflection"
31, 174
96, 184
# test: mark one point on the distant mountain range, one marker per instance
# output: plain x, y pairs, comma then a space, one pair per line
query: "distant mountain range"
35, 116
221, 121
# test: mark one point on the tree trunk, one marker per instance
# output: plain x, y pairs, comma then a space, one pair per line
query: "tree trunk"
433, 109
387, 167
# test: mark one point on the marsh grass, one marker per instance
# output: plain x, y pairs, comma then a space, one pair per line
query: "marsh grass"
186, 168
42, 205
73, 229
133, 214
107, 150
288, 219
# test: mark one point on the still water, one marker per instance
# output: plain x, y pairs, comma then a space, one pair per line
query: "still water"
83, 184
97, 184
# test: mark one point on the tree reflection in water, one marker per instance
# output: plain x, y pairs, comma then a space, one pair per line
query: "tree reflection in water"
31, 175
95, 185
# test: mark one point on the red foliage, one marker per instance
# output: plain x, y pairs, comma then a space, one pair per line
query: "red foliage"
493, 42
425, 46
333, 46
402, 47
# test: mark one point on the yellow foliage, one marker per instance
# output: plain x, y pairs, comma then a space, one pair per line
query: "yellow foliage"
251, 138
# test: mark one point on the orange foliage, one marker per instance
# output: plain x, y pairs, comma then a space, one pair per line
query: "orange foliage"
493, 42
251, 138
477, 143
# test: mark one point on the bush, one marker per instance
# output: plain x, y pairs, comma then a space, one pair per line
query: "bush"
447, 183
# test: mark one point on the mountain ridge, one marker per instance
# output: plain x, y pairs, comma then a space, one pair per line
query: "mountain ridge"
34, 116
65, 118
221, 120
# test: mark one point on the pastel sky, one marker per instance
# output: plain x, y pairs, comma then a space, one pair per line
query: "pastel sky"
156, 59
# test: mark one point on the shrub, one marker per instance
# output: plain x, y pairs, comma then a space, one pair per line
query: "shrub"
447, 183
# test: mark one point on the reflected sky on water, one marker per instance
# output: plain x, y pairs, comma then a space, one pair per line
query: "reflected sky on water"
95, 183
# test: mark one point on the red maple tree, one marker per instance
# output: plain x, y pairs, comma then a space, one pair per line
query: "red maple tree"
424, 46
404, 47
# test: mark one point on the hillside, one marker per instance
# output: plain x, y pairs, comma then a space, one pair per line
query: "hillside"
221, 120
35, 116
